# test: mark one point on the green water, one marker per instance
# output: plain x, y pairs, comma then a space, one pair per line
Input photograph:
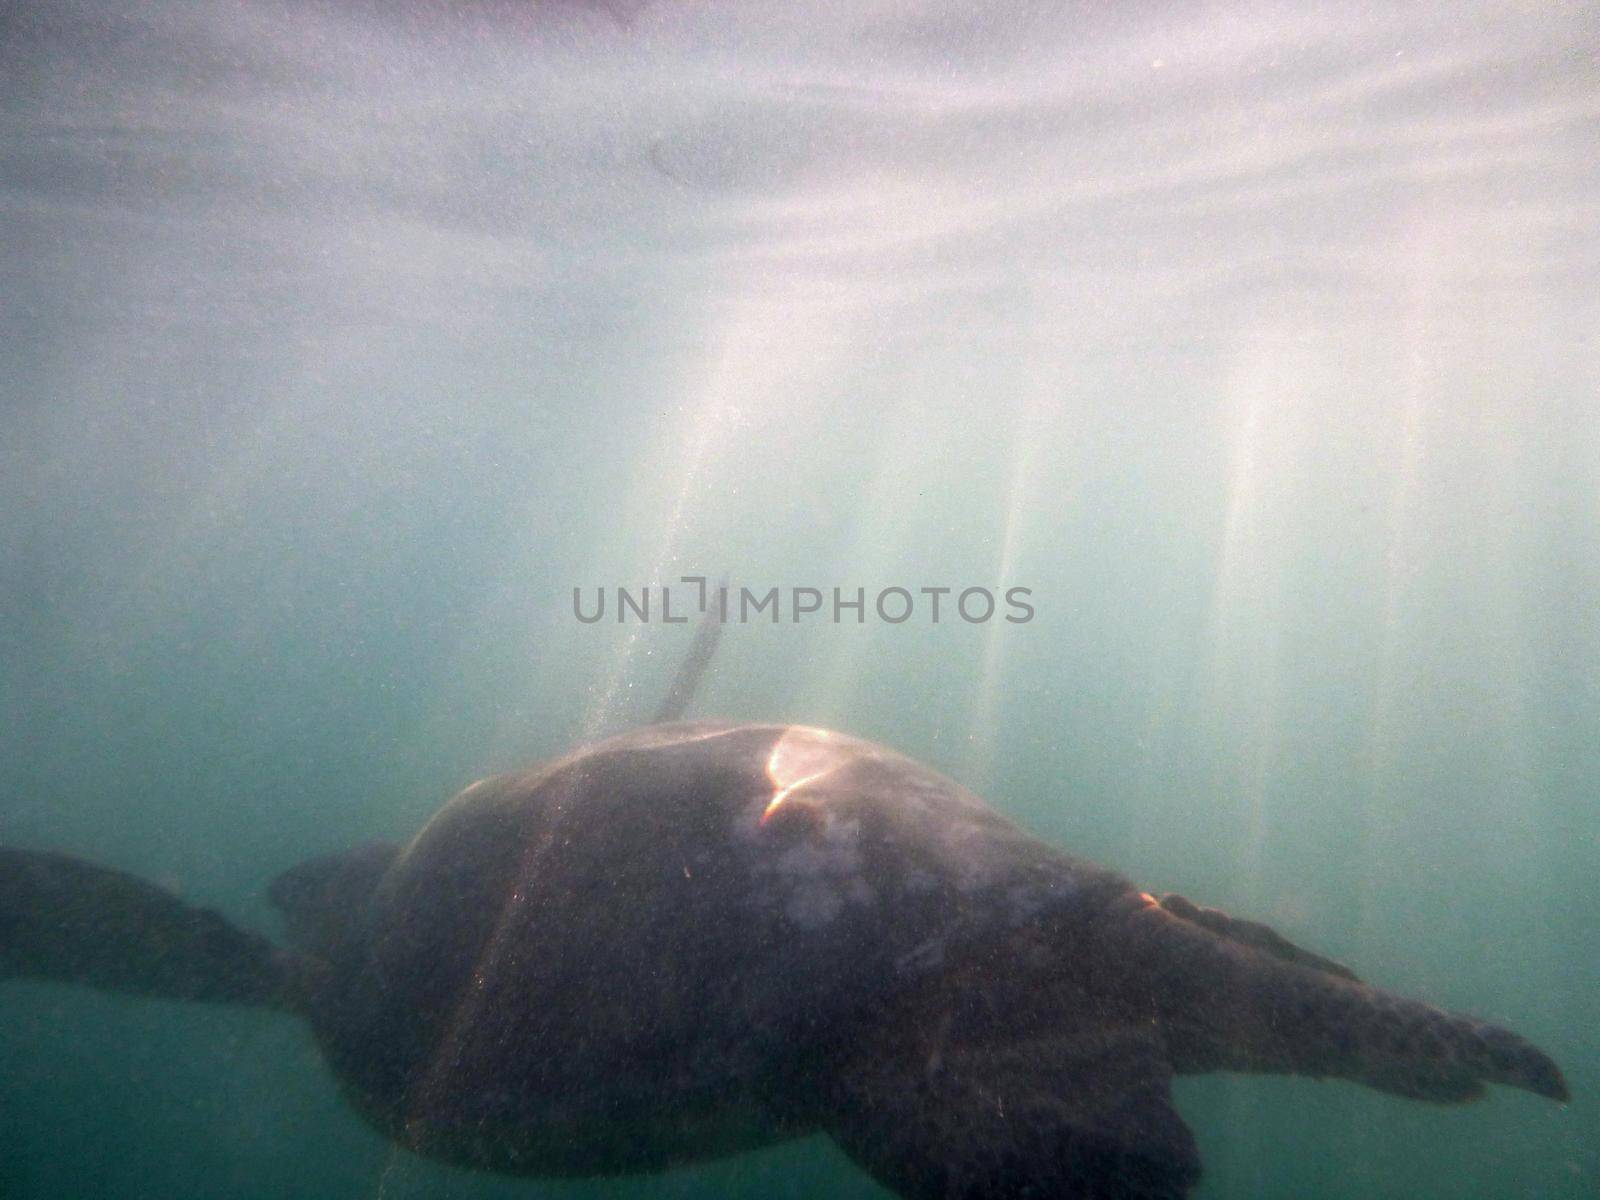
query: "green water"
337, 346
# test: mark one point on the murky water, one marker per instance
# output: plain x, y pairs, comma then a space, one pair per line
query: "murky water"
341, 343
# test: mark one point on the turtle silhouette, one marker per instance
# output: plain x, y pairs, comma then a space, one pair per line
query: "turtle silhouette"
697, 938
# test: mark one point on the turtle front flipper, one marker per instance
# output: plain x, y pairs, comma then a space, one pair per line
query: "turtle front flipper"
1234, 996
71, 921
687, 681
1074, 1117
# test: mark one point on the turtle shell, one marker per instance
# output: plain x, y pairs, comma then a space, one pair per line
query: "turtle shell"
609, 962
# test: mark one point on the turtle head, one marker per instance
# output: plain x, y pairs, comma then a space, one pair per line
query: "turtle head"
324, 899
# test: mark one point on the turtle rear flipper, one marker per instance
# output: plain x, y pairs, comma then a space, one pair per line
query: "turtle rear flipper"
1076, 1117
1251, 933
71, 921
1233, 995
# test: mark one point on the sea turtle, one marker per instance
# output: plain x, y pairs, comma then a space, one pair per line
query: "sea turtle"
699, 937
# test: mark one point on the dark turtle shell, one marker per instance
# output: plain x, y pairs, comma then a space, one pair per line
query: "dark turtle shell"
616, 960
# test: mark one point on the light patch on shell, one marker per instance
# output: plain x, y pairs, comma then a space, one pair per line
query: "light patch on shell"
823, 874
927, 955
813, 905
801, 757
820, 876
662, 737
